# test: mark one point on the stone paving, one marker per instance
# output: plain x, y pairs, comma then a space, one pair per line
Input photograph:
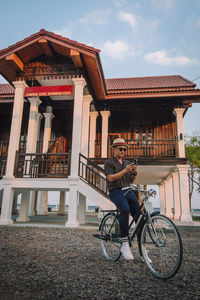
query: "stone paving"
60, 263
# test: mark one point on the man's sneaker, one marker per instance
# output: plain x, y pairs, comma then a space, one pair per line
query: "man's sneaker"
126, 251
146, 254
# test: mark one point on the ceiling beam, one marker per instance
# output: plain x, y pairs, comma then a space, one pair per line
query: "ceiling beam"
45, 47
15, 61
76, 58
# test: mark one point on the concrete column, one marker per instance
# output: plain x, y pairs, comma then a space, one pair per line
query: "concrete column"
85, 124
79, 84
178, 112
81, 209
184, 192
73, 205
32, 125
42, 198
93, 122
176, 195
168, 203
162, 198
104, 134
62, 211
31, 207
42, 203
15, 126
47, 128
6, 209
23, 214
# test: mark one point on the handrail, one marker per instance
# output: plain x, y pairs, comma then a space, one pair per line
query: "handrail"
93, 175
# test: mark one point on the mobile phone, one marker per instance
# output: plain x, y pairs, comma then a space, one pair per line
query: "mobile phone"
135, 161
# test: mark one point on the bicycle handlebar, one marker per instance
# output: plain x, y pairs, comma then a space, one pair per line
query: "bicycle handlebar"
150, 193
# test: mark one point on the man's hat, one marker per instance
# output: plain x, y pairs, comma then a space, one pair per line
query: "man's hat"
119, 142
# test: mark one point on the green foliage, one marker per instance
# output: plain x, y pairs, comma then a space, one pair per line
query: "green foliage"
192, 152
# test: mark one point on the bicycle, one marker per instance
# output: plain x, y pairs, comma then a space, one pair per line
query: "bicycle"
159, 242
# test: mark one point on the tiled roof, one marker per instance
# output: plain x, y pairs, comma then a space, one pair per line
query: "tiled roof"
129, 85
6, 90
153, 82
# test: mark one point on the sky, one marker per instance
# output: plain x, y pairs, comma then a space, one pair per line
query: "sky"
136, 37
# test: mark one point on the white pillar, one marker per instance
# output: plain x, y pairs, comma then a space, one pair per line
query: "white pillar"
42, 203
31, 207
81, 209
47, 128
93, 122
15, 126
85, 124
62, 204
42, 198
6, 208
79, 84
104, 133
176, 196
32, 125
178, 112
168, 203
23, 214
73, 205
162, 198
184, 192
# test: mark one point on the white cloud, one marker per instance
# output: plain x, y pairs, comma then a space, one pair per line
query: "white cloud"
154, 24
162, 58
116, 50
65, 32
128, 18
96, 17
164, 4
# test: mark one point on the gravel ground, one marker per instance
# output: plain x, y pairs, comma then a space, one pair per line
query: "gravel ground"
59, 263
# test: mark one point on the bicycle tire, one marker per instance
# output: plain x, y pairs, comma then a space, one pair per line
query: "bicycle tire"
110, 237
161, 247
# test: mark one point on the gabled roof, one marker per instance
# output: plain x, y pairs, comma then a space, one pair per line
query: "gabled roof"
13, 58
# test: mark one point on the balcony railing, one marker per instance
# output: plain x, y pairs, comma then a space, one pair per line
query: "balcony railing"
33, 165
4, 148
145, 148
2, 167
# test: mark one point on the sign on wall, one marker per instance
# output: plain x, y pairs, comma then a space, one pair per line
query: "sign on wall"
57, 90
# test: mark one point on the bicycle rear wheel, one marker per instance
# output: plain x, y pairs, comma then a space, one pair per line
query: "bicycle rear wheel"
161, 246
110, 237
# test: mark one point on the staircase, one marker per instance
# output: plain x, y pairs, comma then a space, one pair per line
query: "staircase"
93, 183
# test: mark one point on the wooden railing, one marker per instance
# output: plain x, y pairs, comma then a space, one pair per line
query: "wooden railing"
4, 148
149, 148
93, 175
2, 167
32, 165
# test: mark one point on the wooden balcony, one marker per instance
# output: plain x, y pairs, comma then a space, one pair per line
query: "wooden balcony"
147, 148
34, 165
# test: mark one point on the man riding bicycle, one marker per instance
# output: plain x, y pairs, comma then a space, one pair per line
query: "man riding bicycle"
119, 174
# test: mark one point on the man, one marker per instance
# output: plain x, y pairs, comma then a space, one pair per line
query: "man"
120, 173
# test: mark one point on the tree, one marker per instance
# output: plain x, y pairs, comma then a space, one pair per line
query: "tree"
192, 152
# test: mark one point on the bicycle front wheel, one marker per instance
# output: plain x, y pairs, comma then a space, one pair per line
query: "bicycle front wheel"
110, 237
161, 246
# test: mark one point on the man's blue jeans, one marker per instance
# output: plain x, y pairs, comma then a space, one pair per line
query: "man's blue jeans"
126, 204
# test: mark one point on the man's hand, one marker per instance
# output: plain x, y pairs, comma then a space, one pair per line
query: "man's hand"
131, 167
